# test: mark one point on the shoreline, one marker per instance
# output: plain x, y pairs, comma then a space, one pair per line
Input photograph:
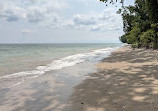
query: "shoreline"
22, 73
127, 80
122, 81
48, 92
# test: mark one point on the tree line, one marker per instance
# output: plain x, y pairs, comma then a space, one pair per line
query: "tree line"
140, 23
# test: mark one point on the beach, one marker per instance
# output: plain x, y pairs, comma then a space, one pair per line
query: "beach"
79, 55
126, 80
42, 77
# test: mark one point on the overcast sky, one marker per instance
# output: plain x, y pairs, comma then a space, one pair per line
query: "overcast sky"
59, 21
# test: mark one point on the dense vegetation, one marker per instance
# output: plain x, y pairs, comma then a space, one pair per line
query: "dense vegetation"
140, 23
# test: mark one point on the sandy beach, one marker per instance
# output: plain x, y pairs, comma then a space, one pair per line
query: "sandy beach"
125, 81
79, 55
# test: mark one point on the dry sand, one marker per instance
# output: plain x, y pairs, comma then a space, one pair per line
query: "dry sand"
125, 81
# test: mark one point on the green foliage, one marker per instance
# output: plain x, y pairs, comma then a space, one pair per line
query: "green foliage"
152, 7
127, 20
112, 1
147, 39
154, 27
133, 36
140, 23
123, 38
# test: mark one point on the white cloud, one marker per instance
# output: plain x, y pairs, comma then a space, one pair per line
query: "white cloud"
47, 13
83, 20
11, 12
105, 21
32, 11
26, 31
35, 14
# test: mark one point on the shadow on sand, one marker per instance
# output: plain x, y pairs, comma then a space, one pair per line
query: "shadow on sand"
37, 96
133, 89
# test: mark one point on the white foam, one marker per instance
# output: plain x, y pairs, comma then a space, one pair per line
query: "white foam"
61, 63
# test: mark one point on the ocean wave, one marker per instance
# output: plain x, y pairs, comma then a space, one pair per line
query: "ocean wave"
60, 63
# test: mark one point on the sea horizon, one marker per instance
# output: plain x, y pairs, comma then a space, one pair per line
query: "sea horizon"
67, 43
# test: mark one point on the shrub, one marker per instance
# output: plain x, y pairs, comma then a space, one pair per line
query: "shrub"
147, 39
133, 36
123, 39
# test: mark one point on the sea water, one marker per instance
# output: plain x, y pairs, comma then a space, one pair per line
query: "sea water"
20, 62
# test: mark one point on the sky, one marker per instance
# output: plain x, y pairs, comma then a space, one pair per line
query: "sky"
59, 21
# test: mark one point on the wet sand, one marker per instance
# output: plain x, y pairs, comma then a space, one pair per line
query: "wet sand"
126, 81
48, 92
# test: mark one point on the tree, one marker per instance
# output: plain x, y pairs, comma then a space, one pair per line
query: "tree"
123, 39
112, 1
140, 22
152, 7
147, 39
133, 36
